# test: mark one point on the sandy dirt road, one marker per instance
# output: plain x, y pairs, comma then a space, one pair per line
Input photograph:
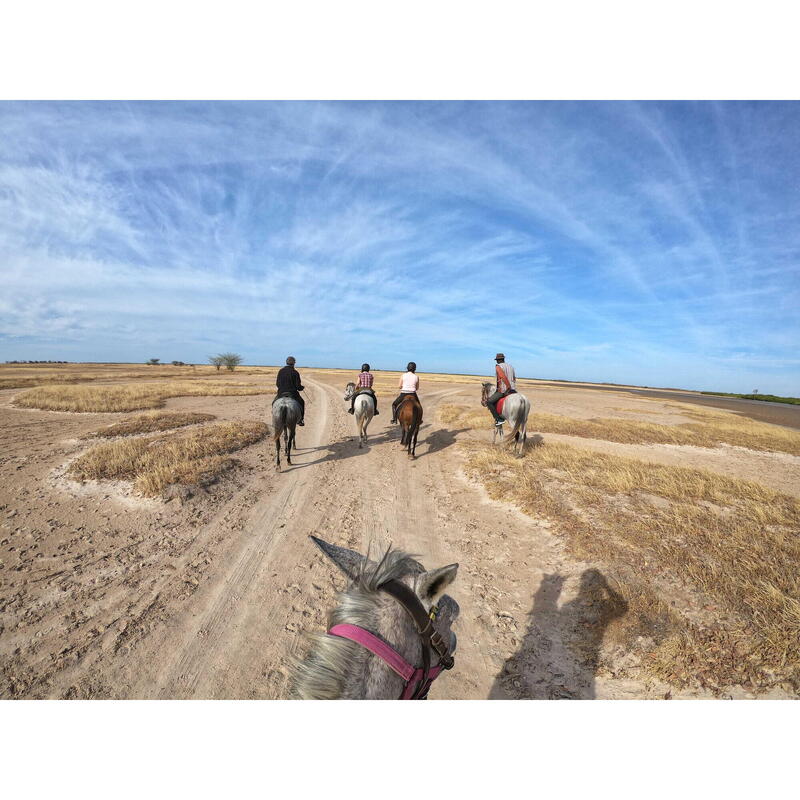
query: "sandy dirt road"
107, 595
236, 637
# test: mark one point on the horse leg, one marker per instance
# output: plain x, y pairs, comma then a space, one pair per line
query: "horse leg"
277, 439
289, 437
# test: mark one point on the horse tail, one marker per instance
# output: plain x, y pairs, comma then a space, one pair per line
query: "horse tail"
518, 417
281, 421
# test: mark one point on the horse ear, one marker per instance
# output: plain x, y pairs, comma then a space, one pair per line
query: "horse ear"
348, 561
431, 584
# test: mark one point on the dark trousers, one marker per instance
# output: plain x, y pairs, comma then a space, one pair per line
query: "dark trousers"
491, 403
399, 399
364, 391
295, 396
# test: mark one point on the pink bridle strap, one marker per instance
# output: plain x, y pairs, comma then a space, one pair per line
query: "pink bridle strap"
411, 675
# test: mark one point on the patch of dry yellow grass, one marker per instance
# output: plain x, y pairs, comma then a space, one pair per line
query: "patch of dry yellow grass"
150, 422
155, 462
20, 376
732, 547
125, 396
711, 431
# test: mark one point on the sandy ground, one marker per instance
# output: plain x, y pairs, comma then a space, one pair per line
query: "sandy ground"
107, 595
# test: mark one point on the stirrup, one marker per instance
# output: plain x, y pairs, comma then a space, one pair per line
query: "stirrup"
499, 423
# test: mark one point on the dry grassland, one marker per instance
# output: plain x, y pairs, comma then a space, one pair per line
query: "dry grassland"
22, 376
150, 423
706, 563
156, 462
711, 429
126, 396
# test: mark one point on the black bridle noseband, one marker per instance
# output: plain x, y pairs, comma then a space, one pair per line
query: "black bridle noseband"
430, 638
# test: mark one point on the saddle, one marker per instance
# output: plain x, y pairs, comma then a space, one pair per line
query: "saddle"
502, 401
283, 394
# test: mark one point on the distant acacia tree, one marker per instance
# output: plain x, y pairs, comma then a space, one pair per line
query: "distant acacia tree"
153, 361
178, 364
216, 361
231, 360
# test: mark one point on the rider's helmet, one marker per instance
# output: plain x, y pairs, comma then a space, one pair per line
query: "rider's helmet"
499, 357
411, 366
291, 361
365, 367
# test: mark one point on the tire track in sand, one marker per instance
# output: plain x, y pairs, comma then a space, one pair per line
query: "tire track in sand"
214, 638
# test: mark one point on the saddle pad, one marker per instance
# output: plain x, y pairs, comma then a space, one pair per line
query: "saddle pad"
500, 403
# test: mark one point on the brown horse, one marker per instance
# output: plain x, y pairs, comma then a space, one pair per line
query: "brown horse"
409, 415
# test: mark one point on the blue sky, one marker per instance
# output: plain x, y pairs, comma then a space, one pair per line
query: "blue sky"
650, 243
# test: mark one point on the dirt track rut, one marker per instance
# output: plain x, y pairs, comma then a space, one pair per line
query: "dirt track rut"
241, 628
211, 600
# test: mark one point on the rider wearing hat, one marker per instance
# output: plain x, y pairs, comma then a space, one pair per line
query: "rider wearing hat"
506, 385
364, 385
409, 383
288, 382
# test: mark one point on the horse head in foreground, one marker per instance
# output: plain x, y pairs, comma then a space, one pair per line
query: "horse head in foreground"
364, 411
515, 408
389, 636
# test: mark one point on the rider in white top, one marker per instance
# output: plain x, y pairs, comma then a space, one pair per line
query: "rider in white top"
409, 383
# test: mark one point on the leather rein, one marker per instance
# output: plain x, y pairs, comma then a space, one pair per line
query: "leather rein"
418, 679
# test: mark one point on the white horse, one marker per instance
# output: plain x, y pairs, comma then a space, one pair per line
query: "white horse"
364, 411
515, 409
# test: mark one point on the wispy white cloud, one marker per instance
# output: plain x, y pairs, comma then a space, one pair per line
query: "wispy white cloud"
599, 241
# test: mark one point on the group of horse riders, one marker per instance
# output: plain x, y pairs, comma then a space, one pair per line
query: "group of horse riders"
288, 383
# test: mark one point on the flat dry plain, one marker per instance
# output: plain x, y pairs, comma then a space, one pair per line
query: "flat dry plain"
644, 547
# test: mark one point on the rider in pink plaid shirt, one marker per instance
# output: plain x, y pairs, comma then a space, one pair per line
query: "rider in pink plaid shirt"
364, 385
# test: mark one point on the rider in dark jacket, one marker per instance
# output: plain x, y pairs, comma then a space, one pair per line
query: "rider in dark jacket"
288, 382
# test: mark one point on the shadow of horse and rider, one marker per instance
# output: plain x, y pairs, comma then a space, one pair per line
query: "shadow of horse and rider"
436, 441
560, 652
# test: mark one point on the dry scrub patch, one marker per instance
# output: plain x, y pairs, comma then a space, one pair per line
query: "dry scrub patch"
155, 462
706, 563
711, 430
150, 423
126, 396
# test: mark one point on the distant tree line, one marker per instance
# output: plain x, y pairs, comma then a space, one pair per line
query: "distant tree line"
155, 362
228, 360
37, 362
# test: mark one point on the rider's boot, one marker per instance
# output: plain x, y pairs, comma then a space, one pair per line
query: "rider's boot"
351, 411
302, 422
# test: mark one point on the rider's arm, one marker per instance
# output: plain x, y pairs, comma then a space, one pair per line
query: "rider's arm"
501, 378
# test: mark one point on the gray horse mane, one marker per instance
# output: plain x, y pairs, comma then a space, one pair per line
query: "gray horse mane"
331, 660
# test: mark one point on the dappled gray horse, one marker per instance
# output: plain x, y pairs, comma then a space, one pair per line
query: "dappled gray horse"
388, 637
516, 408
364, 411
285, 416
